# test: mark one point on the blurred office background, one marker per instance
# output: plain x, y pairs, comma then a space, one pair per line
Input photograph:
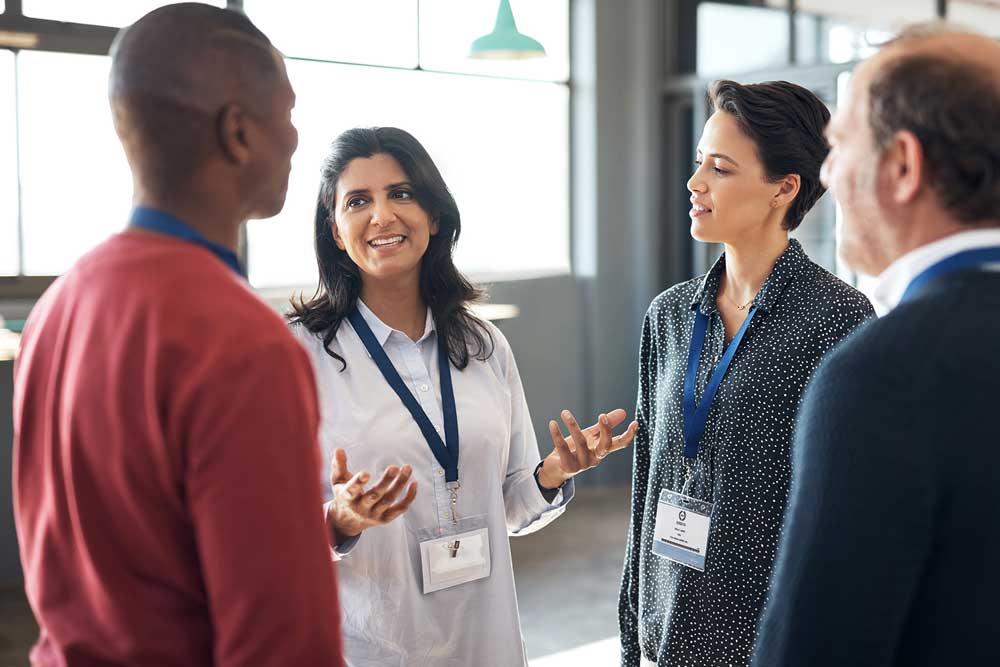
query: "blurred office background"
569, 171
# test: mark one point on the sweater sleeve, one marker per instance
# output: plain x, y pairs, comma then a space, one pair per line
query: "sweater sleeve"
628, 598
250, 424
858, 528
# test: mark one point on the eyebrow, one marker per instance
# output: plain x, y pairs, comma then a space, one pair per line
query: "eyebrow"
723, 156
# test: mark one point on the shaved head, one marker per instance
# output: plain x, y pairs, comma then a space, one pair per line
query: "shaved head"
174, 71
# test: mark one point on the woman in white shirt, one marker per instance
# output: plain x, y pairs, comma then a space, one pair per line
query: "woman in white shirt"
411, 383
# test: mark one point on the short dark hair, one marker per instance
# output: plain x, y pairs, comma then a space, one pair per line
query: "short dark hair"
444, 289
953, 108
173, 71
786, 123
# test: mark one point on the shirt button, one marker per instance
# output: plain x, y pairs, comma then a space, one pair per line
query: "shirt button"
440, 473
424, 387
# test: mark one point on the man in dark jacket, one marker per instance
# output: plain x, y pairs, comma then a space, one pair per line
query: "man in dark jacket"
891, 552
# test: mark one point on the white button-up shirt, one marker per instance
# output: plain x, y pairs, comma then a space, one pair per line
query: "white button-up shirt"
892, 283
387, 620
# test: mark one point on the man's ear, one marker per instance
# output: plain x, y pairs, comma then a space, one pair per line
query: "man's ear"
233, 134
904, 161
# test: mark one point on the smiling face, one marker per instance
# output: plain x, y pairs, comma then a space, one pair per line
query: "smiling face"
731, 199
378, 221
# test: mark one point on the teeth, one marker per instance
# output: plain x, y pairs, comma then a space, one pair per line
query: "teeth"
384, 242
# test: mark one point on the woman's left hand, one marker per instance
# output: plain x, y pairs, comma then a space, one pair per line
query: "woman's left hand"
584, 449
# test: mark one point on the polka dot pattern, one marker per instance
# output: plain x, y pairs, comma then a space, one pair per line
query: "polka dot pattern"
673, 614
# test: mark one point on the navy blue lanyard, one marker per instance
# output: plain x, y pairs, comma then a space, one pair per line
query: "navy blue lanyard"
447, 456
696, 416
163, 223
976, 257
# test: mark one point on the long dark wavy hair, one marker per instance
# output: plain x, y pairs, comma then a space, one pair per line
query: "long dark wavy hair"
443, 288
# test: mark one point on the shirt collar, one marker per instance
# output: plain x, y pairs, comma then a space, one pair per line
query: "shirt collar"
789, 263
892, 283
383, 331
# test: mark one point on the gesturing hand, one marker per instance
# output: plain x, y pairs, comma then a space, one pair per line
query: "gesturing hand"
585, 448
354, 509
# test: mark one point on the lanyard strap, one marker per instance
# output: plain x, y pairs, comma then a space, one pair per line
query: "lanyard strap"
696, 415
977, 257
163, 223
447, 456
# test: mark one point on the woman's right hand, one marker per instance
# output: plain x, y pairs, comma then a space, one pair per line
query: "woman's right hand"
353, 509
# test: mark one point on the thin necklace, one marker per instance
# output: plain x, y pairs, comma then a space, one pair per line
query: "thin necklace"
738, 306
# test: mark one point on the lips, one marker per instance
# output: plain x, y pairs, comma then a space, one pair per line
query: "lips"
699, 209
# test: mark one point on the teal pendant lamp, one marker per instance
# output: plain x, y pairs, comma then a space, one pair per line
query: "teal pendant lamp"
505, 42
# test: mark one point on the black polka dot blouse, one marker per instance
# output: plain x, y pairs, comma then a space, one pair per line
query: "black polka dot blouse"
673, 615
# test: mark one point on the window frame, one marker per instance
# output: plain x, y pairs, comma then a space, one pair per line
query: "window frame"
25, 33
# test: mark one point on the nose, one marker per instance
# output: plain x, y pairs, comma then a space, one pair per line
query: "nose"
382, 213
696, 184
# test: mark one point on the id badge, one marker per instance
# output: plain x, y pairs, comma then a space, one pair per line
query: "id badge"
682, 527
455, 559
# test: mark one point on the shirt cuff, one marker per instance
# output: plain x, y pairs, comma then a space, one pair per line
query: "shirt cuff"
564, 494
339, 549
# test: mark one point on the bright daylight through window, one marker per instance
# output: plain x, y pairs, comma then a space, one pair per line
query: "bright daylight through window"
498, 130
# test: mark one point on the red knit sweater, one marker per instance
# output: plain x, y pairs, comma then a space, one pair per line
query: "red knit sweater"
166, 484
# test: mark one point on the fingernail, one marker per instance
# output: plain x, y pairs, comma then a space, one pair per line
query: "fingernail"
565, 413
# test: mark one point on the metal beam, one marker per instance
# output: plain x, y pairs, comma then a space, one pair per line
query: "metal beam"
23, 32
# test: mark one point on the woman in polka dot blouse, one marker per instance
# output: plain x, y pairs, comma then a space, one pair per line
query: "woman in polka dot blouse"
696, 580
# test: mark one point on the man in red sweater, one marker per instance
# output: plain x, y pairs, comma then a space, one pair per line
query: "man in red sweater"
166, 479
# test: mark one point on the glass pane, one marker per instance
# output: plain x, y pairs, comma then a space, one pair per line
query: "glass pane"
76, 185
888, 14
448, 28
373, 32
8, 168
729, 39
107, 12
976, 15
502, 147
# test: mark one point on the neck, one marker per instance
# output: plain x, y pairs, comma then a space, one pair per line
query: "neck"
207, 215
911, 237
397, 303
749, 264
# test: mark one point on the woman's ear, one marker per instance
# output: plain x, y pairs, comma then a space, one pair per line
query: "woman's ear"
435, 226
787, 190
336, 234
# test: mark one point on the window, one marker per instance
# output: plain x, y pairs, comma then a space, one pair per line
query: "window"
502, 147
977, 15
375, 32
8, 168
729, 41
107, 12
498, 130
75, 184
